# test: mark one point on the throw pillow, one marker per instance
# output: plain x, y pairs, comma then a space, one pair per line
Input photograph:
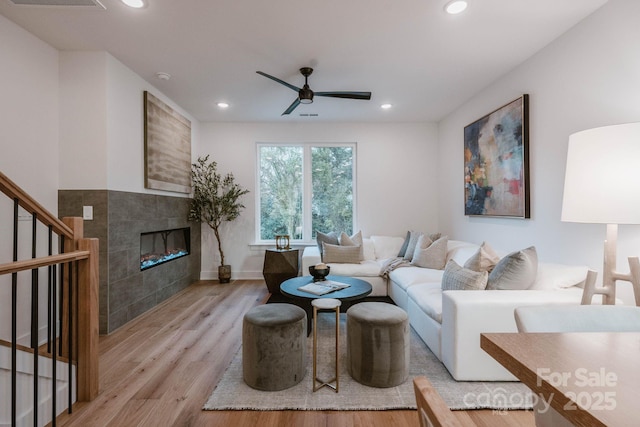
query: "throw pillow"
413, 240
434, 255
515, 271
355, 240
460, 278
403, 249
330, 238
485, 259
341, 254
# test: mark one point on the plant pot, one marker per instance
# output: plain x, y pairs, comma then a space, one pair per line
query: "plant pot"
224, 273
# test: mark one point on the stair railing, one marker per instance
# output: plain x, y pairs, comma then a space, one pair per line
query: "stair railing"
72, 301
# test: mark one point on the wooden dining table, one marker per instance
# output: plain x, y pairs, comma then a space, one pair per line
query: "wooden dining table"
590, 378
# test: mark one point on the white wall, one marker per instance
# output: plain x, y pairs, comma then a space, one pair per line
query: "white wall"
83, 128
125, 128
29, 113
102, 124
587, 78
28, 150
396, 180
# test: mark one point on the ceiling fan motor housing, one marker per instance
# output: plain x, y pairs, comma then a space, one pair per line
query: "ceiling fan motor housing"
306, 95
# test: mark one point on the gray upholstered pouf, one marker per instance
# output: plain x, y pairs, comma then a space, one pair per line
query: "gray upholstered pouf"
274, 346
378, 344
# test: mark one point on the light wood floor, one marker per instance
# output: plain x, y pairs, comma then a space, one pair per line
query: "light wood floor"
159, 369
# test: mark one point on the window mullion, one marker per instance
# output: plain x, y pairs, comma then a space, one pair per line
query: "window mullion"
308, 190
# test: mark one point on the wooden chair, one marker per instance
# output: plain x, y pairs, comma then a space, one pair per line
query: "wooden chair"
433, 411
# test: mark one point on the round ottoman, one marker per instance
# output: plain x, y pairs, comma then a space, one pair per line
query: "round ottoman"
378, 344
274, 346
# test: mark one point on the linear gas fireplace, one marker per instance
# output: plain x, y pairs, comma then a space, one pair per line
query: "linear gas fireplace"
158, 247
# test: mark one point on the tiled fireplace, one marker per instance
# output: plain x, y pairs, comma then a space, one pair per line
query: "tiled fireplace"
121, 220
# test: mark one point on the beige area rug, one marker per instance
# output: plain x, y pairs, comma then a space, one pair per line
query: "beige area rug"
232, 393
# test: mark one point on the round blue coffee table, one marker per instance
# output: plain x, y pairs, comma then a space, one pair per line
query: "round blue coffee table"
357, 290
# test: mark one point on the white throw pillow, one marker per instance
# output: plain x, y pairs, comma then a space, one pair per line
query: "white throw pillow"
429, 254
515, 271
460, 278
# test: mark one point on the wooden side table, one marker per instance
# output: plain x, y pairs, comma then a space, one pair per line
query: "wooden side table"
279, 265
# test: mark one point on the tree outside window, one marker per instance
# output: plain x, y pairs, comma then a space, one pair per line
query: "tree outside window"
326, 171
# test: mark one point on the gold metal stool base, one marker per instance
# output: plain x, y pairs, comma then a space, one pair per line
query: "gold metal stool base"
325, 304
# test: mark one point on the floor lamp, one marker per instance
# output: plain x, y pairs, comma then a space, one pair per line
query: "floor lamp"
602, 185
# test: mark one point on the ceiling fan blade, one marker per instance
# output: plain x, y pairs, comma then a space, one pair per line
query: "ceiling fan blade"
348, 95
275, 79
292, 107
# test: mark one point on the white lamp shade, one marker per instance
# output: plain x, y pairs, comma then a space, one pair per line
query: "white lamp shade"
602, 179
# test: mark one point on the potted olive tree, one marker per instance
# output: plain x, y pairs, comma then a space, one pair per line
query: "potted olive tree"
216, 199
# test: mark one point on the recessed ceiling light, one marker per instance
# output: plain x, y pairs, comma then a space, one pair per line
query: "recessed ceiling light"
134, 3
455, 7
222, 105
386, 106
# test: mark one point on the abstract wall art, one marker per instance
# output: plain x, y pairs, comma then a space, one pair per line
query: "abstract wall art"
496, 162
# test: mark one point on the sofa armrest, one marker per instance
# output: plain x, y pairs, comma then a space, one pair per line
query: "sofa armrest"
310, 256
467, 314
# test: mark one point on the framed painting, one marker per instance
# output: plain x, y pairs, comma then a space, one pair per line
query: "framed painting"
167, 147
496, 162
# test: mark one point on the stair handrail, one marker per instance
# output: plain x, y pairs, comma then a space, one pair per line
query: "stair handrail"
83, 252
13, 191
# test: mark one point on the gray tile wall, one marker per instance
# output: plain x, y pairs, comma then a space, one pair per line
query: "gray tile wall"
118, 219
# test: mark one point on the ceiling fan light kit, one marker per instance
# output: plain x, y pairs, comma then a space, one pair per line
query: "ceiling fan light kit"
456, 6
305, 94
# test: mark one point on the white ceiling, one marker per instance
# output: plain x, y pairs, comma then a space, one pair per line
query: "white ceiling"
409, 53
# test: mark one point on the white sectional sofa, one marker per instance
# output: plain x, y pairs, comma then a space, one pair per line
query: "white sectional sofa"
450, 322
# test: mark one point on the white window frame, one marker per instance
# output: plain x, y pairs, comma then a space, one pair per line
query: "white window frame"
307, 187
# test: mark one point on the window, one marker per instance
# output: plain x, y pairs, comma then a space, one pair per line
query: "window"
304, 188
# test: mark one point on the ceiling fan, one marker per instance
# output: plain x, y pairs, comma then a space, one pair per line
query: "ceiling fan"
305, 95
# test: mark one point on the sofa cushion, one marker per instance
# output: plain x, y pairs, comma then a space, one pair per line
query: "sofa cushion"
368, 249
387, 246
330, 238
559, 276
409, 276
341, 254
485, 259
365, 268
456, 277
515, 271
430, 254
428, 299
460, 251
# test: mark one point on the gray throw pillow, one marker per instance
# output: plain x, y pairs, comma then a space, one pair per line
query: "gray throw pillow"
330, 238
411, 245
515, 271
403, 249
460, 278
341, 254
430, 255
